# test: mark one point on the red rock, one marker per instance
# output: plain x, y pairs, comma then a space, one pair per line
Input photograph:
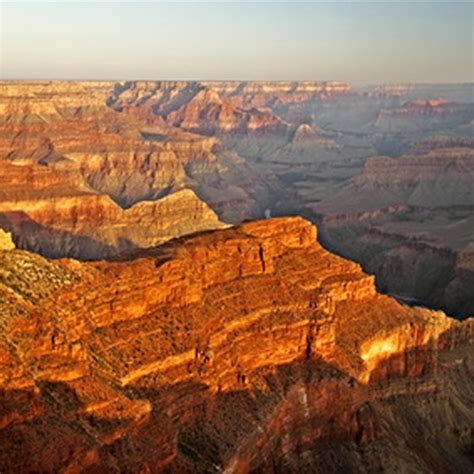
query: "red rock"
237, 349
65, 157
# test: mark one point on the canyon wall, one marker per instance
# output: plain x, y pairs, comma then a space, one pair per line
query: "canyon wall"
80, 179
237, 350
89, 169
408, 220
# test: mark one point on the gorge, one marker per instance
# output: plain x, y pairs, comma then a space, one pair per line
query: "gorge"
86, 168
236, 276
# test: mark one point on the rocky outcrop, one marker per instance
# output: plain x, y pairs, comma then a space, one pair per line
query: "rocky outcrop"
51, 210
307, 137
433, 269
80, 179
440, 178
250, 348
424, 115
408, 220
256, 147
6, 242
92, 226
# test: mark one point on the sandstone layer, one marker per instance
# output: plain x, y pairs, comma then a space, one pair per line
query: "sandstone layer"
92, 226
130, 158
250, 349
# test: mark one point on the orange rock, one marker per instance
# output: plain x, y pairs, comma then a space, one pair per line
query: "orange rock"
236, 350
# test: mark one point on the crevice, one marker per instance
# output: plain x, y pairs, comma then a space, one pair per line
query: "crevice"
262, 258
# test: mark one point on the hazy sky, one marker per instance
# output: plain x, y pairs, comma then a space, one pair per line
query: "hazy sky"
356, 42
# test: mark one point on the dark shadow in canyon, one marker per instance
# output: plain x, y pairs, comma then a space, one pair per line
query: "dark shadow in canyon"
51, 243
439, 283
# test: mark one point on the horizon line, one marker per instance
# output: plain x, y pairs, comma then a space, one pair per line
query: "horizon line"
340, 81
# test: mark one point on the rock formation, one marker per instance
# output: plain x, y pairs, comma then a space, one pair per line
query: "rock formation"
237, 350
442, 177
80, 179
422, 115
197, 107
409, 221
130, 158
86, 168
92, 226
6, 242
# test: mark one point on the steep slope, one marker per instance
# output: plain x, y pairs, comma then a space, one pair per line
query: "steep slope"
409, 221
424, 115
442, 177
268, 93
246, 349
79, 179
92, 226
50, 210
254, 147
264, 122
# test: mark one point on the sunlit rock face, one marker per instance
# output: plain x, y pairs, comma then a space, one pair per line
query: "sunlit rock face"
92, 226
52, 211
6, 242
237, 350
131, 158
216, 107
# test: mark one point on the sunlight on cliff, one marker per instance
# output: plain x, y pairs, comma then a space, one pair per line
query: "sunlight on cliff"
379, 349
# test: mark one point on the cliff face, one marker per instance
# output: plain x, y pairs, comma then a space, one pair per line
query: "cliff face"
434, 269
440, 178
51, 210
408, 220
193, 106
84, 167
221, 106
92, 226
420, 116
250, 348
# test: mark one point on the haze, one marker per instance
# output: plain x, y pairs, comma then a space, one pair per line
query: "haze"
356, 42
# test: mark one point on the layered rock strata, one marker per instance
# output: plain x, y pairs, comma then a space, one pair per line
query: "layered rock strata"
92, 226
129, 157
245, 349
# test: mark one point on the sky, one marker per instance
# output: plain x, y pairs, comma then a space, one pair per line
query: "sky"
358, 42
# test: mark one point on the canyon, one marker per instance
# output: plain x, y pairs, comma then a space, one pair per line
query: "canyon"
91, 169
246, 349
151, 321
410, 216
